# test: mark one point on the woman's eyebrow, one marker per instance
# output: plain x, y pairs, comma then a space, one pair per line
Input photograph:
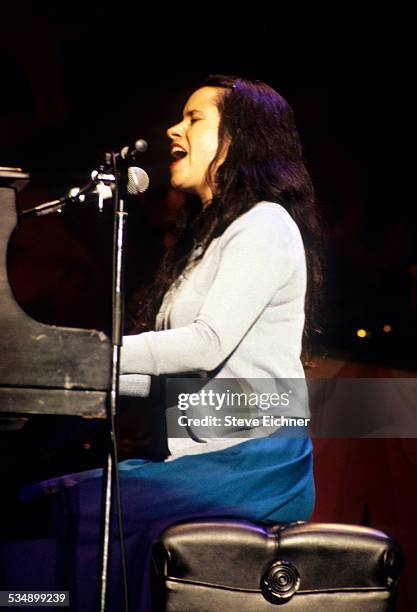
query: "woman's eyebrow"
192, 111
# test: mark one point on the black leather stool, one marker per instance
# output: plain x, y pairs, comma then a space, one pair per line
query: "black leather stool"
231, 565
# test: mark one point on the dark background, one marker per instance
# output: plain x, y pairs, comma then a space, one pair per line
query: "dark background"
79, 79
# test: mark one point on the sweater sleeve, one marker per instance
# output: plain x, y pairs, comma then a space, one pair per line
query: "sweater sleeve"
134, 385
259, 252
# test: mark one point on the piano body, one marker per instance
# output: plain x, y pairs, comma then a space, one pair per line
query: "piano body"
45, 370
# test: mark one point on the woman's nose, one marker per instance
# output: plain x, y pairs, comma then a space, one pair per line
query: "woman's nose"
174, 131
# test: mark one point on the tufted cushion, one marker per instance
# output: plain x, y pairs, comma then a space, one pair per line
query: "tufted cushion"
214, 565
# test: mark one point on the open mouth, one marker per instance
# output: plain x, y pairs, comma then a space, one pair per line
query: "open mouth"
178, 153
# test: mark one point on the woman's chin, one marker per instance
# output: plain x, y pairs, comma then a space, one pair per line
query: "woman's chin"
181, 186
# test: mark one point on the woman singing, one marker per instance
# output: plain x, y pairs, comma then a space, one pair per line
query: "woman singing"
232, 300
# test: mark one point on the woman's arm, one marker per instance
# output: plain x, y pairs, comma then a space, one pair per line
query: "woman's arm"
135, 385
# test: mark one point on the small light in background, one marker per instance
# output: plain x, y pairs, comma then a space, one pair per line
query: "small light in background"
387, 328
361, 333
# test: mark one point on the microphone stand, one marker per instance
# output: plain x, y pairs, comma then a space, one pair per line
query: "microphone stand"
110, 476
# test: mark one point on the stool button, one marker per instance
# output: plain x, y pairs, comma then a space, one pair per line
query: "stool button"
280, 581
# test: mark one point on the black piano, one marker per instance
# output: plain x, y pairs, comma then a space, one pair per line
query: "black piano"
46, 372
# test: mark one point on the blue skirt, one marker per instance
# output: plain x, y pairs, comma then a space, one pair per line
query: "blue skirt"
262, 480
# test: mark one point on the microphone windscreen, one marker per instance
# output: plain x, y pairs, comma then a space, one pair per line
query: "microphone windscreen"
138, 180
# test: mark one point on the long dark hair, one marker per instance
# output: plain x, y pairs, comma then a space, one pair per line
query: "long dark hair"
264, 162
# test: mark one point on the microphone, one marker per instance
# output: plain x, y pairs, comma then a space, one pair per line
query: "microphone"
139, 146
137, 180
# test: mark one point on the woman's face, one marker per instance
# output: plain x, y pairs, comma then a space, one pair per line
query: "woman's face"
194, 143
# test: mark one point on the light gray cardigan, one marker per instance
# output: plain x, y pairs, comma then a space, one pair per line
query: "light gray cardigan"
239, 310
